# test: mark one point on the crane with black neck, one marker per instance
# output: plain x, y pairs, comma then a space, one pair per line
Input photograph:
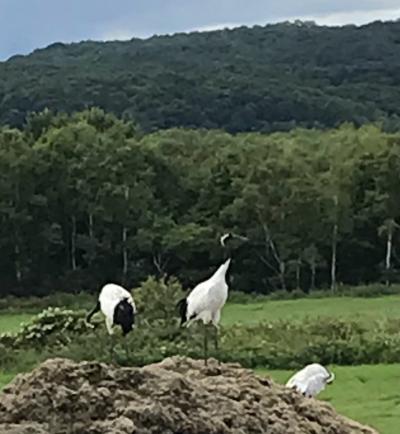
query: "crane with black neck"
207, 298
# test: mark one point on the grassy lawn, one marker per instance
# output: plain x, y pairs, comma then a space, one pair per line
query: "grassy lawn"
10, 322
365, 309
5, 378
368, 394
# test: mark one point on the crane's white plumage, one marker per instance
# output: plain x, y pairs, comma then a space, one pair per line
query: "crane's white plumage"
311, 380
118, 307
207, 298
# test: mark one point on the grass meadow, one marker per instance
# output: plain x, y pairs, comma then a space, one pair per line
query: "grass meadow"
364, 309
366, 393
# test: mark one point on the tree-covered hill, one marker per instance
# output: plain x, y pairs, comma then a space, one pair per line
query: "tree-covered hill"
247, 79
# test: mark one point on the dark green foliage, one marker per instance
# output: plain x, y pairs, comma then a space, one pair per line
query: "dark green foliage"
86, 199
363, 291
32, 304
265, 79
154, 300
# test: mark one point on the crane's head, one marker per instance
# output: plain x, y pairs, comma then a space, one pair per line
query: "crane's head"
225, 239
330, 378
231, 236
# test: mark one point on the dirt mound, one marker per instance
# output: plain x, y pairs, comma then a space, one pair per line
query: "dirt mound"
178, 395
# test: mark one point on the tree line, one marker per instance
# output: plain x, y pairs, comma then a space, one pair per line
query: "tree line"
87, 198
272, 78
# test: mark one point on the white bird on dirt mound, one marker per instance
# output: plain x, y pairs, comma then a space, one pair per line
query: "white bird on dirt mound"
207, 299
311, 380
118, 307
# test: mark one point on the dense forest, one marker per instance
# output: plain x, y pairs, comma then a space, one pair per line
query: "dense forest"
87, 197
271, 78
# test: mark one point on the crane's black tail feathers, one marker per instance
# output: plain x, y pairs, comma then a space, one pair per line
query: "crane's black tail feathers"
124, 316
182, 307
95, 310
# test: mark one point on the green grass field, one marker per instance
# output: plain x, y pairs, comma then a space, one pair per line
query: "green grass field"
368, 394
11, 322
364, 309
5, 378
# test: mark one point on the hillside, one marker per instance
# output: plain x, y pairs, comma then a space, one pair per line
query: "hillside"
261, 78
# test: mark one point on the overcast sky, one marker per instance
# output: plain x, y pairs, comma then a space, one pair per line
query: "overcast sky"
29, 24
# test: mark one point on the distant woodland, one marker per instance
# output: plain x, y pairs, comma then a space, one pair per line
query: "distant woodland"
89, 198
121, 160
271, 78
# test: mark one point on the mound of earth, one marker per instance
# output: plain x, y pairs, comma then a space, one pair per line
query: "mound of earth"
178, 395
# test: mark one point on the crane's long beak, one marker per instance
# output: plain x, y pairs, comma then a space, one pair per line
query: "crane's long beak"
331, 378
240, 237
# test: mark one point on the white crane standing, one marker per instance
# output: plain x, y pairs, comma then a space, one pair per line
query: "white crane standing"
207, 299
311, 380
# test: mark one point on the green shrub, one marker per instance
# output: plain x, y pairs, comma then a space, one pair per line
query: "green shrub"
53, 326
246, 298
373, 290
277, 344
81, 300
156, 299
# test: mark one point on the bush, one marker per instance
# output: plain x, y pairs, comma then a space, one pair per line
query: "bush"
53, 326
373, 290
278, 344
156, 299
283, 294
81, 300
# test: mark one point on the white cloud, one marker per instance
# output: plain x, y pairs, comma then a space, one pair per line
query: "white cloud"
355, 17
219, 26
330, 19
122, 35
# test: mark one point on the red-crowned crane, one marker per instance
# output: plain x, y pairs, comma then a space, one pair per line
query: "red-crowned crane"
311, 380
118, 308
207, 299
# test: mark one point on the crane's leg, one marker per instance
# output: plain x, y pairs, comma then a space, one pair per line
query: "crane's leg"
216, 343
111, 333
126, 345
215, 322
205, 343
112, 348
216, 337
